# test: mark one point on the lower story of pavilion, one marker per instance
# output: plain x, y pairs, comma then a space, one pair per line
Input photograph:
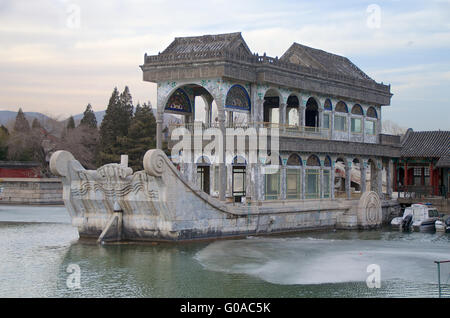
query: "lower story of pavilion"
296, 176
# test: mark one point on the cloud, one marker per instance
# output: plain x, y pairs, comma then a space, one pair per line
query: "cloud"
41, 56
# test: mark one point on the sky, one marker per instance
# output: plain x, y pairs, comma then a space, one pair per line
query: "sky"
58, 56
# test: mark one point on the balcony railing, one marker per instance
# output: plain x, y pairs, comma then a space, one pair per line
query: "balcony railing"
283, 129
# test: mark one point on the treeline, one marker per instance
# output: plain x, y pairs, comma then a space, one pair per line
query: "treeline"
125, 129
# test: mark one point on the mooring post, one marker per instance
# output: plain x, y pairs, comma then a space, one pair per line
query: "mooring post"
439, 276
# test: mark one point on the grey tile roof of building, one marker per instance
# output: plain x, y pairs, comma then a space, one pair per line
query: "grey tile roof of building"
426, 144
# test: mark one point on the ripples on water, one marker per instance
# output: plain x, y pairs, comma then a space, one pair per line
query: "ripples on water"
37, 245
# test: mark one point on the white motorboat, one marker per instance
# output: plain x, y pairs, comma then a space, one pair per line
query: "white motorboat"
443, 225
419, 217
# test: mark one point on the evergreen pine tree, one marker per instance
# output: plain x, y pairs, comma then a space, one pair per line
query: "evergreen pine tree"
4, 135
141, 136
21, 124
89, 119
70, 123
36, 124
114, 126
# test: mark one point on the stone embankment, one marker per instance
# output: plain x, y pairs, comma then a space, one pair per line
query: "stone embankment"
37, 191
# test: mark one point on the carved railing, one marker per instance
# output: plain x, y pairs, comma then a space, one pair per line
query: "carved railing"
283, 129
268, 61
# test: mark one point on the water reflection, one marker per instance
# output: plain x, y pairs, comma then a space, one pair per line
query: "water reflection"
35, 257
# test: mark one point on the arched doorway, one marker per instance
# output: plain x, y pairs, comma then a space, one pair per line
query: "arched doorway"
203, 174
312, 175
294, 177
238, 183
272, 176
292, 118
312, 115
271, 107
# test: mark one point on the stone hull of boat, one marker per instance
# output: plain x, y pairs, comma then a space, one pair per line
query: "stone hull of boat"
158, 204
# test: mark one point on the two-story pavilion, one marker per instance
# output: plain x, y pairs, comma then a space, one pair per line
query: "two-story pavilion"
327, 111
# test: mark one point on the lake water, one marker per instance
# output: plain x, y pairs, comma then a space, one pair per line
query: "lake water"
38, 245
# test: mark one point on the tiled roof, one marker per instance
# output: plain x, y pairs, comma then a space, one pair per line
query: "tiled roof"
426, 144
297, 54
207, 43
444, 162
319, 59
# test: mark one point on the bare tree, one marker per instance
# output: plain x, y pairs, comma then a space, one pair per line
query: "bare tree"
389, 127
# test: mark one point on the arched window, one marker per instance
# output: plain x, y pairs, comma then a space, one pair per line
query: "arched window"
179, 102
326, 116
272, 179
312, 174
372, 113
357, 110
356, 123
370, 123
313, 161
341, 107
237, 98
293, 177
340, 121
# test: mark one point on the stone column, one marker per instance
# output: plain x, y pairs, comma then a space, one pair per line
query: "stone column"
321, 183
303, 182
222, 171
332, 172
320, 123
259, 112
349, 126
229, 191
388, 180
332, 124
301, 112
348, 179
379, 179
283, 185
282, 118
363, 176
208, 111
159, 123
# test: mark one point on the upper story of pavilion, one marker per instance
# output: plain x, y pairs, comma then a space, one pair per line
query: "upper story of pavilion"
307, 93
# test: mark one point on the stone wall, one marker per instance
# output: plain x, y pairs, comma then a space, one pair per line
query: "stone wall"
31, 191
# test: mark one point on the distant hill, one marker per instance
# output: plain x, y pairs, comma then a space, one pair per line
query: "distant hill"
9, 116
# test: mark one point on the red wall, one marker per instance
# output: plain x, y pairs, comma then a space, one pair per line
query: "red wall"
18, 173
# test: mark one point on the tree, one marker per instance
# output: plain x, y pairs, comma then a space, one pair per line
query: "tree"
21, 124
36, 124
141, 136
82, 142
4, 135
89, 119
115, 125
392, 128
70, 123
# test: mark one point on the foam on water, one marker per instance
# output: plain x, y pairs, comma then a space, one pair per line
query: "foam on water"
309, 260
